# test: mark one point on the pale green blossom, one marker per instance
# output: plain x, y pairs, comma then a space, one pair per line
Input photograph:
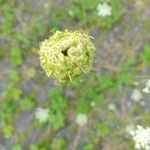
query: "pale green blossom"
146, 90
104, 9
92, 104
136, 95
148, 83
147, 87
81, 119
111, 107
42, 114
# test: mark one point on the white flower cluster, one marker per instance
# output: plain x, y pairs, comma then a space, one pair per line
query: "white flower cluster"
137, 94
81, 119
147, 87
112, 107
141, 137
104, 9
42, 114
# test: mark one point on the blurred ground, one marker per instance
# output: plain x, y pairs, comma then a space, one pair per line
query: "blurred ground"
27, 22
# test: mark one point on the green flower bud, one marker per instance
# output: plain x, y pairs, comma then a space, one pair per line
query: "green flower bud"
67, 55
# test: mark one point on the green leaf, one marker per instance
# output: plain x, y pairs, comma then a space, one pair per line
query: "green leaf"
14, 76
56, 119
88, 147
27, 103
7, 20
16, 56
103, 129
58, 144
34, 147
145, 56
83, 106
16, 147
7, 131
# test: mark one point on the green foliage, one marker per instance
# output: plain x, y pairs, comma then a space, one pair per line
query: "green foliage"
106, 82
12, 93
16, 57
41, 145
2, 1
22, 39
128, 64
83, 106
88, 147
8, 114
7, 20
54, 25
27, 103
14, 76
56, 109
7, 131
16, 147
89, 96
86, 12
102, 129
33, 147
124, 78
58, 144
145, 56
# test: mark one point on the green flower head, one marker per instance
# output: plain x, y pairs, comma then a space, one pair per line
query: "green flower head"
67, 55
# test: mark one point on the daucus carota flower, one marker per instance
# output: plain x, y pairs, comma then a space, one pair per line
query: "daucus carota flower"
42, 114
148, 83
81, 119
111, 107
67, 55
104, 9
141, 137
136, 95
147, 87
92, 104
146, 90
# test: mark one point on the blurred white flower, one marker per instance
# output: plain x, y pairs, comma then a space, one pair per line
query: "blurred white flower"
130, 129
111, 107
136, 83
41, 114
81, 119
70, 12
92, 104
104, 9
136, 95
141, 137
146, 90
147, 87
148, 83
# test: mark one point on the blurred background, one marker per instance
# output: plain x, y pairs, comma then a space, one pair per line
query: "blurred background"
93, 114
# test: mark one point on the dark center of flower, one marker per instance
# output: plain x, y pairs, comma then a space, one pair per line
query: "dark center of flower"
65, 51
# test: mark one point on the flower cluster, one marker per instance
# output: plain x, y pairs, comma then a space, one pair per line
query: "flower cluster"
147, 87
137, 94
141, 137
67, 55
81, 119
104, 9
42, 114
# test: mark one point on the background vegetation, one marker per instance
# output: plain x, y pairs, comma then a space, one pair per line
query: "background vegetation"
105, 96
